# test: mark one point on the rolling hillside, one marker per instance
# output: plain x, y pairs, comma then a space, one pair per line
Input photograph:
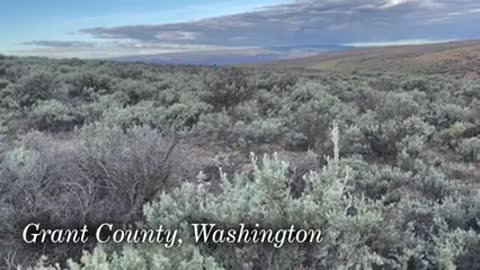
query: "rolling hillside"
461, 59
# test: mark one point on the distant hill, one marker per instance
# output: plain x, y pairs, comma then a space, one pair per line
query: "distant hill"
461, 59
220, 58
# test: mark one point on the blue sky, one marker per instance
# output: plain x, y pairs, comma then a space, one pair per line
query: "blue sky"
110, 28
24, 21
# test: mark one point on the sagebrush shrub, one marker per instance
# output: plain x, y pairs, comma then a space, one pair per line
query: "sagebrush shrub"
106, 175
470, 149
53, 114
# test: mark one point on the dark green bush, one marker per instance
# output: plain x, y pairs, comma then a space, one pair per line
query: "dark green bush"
34, 87
411, 84
85, 83
136, 91
312, 111
226, 88
3, 84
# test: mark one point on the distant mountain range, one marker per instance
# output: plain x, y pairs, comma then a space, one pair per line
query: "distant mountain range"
234, 56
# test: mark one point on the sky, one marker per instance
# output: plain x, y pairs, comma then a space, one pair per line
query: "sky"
113, 28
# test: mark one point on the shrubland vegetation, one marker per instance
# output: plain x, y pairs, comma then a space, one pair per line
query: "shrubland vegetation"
85, 142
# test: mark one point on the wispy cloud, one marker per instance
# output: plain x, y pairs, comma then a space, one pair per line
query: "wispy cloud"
59, 44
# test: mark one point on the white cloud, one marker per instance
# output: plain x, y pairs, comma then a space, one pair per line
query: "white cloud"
422, 3
397, 43
394, 3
